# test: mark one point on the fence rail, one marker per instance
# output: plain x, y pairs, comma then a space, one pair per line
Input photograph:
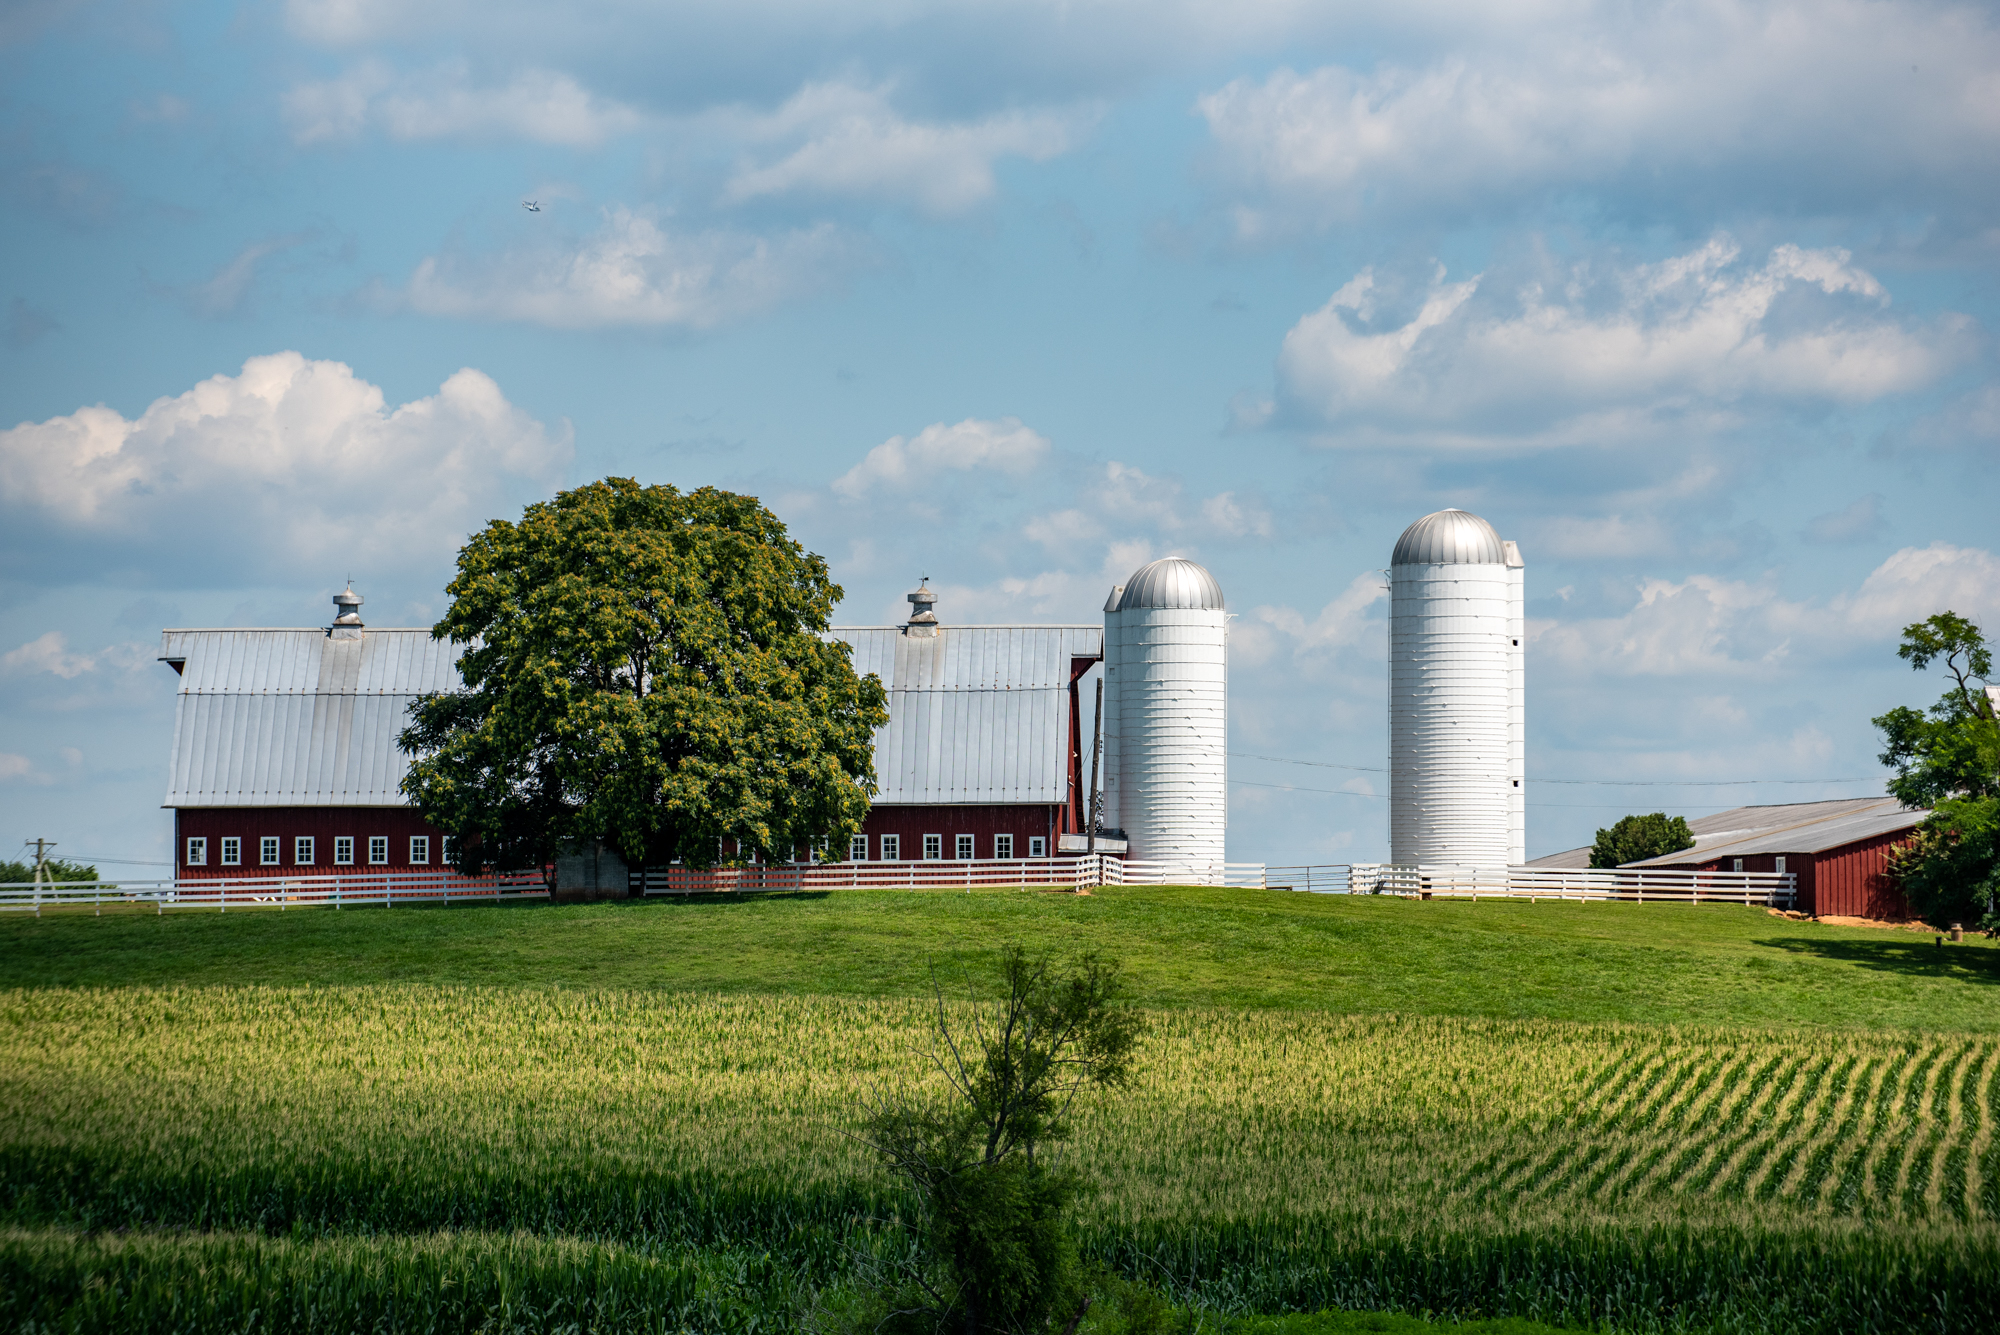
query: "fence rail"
362, 890
1775, 889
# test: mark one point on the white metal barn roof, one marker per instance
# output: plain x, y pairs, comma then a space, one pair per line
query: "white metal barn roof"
977, 714
284, 718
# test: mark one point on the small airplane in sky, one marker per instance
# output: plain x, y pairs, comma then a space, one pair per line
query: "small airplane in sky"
532, 206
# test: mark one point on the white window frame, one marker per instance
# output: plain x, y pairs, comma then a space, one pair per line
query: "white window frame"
378, 850
269, 846
857, 848
1038, 846
343, 850
1738, 866
197, 851
420, 850
933, 848
447, 848
1779, 866
302, 850
232, 850
892, 847
964, 848
1003, 846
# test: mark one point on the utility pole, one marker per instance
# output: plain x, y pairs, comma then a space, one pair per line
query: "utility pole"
1096, 749
41, 847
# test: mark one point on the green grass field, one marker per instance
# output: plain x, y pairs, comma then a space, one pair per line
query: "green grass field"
635, 1116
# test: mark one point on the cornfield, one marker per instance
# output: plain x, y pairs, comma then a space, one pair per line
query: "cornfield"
696, 1149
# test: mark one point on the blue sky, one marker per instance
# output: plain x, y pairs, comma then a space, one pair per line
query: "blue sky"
1694, 301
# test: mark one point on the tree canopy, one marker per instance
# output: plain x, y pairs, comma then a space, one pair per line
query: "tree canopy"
647, 667
1949, 760
1637, 837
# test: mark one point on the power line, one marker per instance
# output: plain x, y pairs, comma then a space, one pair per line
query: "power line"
123, 862
1600, 783
1567, 806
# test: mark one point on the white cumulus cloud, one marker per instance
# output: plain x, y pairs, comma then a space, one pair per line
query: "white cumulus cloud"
633, 272
1004, 446
848, 140
291, 463
538, 105
1594, 351
1845, 103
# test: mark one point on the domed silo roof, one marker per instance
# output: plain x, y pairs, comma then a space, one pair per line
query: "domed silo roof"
1172, 582
1449, 538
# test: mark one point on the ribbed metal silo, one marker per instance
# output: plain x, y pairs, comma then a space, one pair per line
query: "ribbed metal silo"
1108, 725
1456, 707
1171, 674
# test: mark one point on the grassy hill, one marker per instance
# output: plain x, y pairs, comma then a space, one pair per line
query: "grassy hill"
1651, 963
635, 1115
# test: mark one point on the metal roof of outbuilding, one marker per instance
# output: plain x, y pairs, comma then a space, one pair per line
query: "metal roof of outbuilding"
1793, 827
977, 714
281, 718
1449, 537
1172, 581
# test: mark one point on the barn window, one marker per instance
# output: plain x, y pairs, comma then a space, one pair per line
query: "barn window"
892, 847
343, 850
1038, 847
1780, 868
232, 850
302, 851
197, 854
420, 849
378, 849
964, 849
857, 848
267, 850
1003, 845
933, 847
449, 849
1738, 866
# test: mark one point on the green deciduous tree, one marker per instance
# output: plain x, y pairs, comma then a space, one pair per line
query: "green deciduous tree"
648, 667
53, 869
1948, 760
999, 1254
1637, 837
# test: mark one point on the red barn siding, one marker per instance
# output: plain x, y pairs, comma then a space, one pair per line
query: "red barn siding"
1850, 881
323, 823
912, 823
1853, 880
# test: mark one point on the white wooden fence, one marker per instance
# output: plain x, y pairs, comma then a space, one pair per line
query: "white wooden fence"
1090, 869
346, 890
1777, 889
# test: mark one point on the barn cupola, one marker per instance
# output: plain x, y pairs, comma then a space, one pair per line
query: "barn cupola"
923, 621
346, 614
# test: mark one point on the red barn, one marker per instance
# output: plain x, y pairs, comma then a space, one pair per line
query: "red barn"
1839, 851
982, 756
285, 758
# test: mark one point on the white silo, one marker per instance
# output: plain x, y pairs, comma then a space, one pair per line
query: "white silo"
1457, 737
1167, 669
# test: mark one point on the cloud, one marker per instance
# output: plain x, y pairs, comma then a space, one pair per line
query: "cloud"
538, 105
901, 462
1594, 352
291, 465
1859, 522
15, 768
225, 291
1846, 105
47, 653
1705, 626
633, 272
850, 141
